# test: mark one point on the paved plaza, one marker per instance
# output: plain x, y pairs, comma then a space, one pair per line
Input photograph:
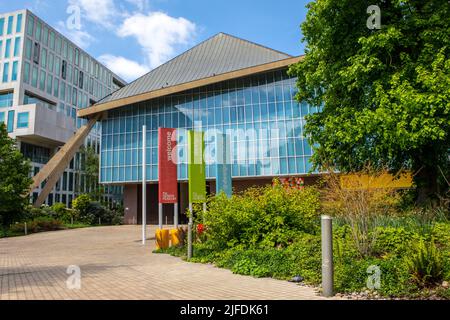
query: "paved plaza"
114, 265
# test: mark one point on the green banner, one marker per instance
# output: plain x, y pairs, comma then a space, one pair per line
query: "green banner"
196, 167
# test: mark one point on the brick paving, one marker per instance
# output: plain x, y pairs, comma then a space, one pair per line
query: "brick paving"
114, 265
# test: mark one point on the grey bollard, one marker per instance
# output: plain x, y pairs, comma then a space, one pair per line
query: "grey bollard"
327, 257
190, 225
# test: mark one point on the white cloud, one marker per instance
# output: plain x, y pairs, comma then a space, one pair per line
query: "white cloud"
127, 69
81, 38
158, 34
101, 12
141, 5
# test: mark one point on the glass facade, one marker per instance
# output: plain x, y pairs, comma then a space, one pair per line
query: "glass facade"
22, 119
259, 112
6, 100
10, 125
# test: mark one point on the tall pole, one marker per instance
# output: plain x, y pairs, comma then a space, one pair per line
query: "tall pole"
327, 256
144, 185
175, 215
190, 225
160, 216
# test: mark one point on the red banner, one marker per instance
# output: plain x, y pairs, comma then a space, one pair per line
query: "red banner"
167, 166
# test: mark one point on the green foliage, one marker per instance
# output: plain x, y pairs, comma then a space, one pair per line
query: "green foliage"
89, 165
39, 224
93, 212
273, 232
64, 214
383, 94
426, 264
392, 240
81, 203
265, 217
14, 180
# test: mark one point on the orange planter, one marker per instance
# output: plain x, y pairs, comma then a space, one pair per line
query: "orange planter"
162, 239
175, 237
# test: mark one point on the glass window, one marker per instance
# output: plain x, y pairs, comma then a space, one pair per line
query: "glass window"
10, 24
49, 83
44, 58
45, 35
10, 126
2, 117
17, 47
34, 77
52, 40
42, 79
70, 54
36, 52
69, 73
75, 77
56, 88
1, 47
64, 69
74, 97
58, 44
77, 57
26, 72
38, 31
65, 49
22, 119
30, 26
15, 66
19, 23
57, 66
28, 48
62, 93
8, 48
5, 72
50, 61
2, 26
6, 100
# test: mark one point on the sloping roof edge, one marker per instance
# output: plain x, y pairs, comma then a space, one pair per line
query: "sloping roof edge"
114, 104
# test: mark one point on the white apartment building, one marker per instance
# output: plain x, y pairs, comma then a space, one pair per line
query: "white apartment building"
44, 79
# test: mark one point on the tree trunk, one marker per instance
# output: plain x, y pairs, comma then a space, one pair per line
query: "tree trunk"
427, 184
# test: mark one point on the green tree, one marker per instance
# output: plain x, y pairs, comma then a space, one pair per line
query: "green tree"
90, 167
14, 180
383, 94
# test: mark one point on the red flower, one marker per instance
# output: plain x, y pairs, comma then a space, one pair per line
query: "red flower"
200, 228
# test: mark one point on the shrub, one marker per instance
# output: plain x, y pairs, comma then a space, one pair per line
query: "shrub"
426, 264
265, 217
81, 204
39, 224
63, 213
394, 240
359, 205
93, 212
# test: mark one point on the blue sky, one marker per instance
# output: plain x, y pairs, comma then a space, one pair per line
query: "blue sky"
134, 36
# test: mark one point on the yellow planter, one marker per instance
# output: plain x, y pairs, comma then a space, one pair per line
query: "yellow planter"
162, 239
175, 237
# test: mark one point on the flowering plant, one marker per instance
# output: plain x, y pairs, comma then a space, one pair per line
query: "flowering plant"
200, 229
